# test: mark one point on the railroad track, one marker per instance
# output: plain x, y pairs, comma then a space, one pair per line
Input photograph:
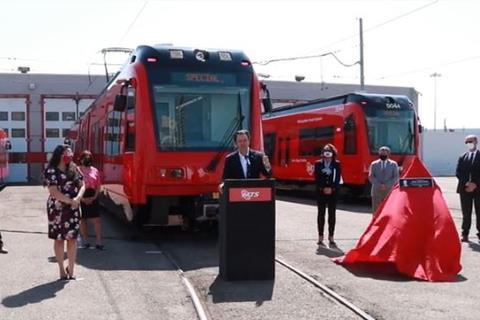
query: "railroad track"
327, 291
201, 309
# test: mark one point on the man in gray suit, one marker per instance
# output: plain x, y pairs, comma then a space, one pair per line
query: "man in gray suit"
383, 175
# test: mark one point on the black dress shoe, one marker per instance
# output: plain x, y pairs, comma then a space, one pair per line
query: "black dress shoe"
465, 238
3, 250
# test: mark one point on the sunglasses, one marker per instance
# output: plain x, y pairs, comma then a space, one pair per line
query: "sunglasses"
469, 142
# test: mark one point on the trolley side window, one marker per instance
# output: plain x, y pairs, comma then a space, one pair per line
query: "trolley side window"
131, 100
130, 141
130, 123
312, 140
94, 139
113, 133
269, 144
350, 135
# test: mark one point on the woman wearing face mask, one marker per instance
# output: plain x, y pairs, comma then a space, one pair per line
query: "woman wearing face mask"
327, 180
90, 205
65, 186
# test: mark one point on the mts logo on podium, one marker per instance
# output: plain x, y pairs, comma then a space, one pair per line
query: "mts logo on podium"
250, 194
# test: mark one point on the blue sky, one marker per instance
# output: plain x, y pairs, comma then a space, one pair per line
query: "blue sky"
405, 41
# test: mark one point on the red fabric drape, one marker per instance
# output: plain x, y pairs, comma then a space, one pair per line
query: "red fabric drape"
413, 230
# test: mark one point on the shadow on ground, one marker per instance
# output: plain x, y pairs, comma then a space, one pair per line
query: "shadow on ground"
330, 251
128, 248
474, 246
384, 271
34, 295
240, 291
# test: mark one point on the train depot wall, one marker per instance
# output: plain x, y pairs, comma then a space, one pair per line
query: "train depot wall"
441, 149
36, 110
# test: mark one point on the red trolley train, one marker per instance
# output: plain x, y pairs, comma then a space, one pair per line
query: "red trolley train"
357, 124
161, 128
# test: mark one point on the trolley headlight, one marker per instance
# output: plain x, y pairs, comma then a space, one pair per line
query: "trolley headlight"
177, 173
163, 173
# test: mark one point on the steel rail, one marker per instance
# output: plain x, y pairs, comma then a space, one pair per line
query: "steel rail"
329, 292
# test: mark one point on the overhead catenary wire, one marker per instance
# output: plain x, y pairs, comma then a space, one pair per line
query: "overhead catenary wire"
90, 82
419, 70
346, 38
355, 35
401, 16
133, 22
263, 63
140, 11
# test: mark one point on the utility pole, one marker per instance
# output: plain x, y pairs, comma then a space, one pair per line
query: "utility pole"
435, 75
361, 62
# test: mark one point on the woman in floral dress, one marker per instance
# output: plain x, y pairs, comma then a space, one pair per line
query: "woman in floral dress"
65, 185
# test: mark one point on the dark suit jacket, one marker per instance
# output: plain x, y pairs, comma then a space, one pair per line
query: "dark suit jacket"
233, 167
466, 171
323, 180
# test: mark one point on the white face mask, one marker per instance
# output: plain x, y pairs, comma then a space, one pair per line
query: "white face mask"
328, 154
471, 146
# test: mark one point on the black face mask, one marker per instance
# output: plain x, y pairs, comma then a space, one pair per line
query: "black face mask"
87, 162
383, 157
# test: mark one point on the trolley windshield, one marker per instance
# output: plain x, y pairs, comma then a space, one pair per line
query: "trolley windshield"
199, 118
390, 124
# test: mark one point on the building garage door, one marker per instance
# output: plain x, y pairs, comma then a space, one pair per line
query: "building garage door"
13, 118
59, 116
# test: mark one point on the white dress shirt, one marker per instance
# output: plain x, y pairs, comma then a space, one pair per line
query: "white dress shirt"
245, 163
471, 156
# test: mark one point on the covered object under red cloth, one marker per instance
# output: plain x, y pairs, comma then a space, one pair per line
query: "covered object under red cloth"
413, 230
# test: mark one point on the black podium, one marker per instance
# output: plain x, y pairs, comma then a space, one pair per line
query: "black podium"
247, 230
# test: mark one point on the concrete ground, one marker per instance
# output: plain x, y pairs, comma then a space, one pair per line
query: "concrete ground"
385, 297
133, 280
123, 282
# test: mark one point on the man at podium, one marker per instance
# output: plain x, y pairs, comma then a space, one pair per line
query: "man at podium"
245, 163
247, 215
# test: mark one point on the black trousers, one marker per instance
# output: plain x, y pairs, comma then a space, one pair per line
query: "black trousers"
467, 201
1, 243
324, 201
